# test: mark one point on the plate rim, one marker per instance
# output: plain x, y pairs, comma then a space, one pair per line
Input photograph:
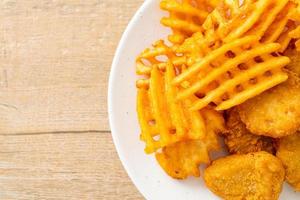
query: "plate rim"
111, 80
112, 116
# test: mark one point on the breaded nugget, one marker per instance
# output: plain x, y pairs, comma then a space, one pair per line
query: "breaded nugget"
294, 65
241, 141
289, 153
276, 112
251, 176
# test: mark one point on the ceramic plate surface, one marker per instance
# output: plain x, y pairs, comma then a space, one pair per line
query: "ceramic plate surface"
143, 169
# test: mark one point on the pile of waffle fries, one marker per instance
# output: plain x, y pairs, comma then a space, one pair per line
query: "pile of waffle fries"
219, 54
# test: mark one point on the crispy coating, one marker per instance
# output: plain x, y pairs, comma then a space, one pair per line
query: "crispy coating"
276, 112
241, 141
253, 176
289, 153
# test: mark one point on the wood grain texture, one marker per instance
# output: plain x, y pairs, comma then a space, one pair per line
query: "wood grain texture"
55, 56
62, 166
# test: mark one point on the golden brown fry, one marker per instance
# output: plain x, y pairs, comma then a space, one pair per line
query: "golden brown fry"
185, 17
164, 121
289, 153
294, 65
274, 113
227, 72
215, 124
183, 158
231, 20
252, 176
295, 16
267, 19
281, 26
160, 54
241, 141
234, 73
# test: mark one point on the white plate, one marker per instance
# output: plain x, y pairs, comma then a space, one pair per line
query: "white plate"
145, 173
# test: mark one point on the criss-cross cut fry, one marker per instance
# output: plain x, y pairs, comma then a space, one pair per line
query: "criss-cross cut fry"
159, 55
185, 17
164, 121
233, 73
280, 28
296, 32
267, 19
183, 158
256, 17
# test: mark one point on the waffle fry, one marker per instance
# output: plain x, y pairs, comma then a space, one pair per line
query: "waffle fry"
220, 28
223, 26
279, 30
295, 16
185, 17
183, 158
267, 19
159, 55
296, 35
164, 121
256, 18
222, 53
235, 72
220, 36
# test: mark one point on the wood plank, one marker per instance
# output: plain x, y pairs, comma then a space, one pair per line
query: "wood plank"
52, 109
62, 166
55, 58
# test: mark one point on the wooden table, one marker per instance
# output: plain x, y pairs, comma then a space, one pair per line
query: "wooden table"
55, 56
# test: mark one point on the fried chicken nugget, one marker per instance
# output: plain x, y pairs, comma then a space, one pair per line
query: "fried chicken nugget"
289, 153
276, 112
252, 176
241, 141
